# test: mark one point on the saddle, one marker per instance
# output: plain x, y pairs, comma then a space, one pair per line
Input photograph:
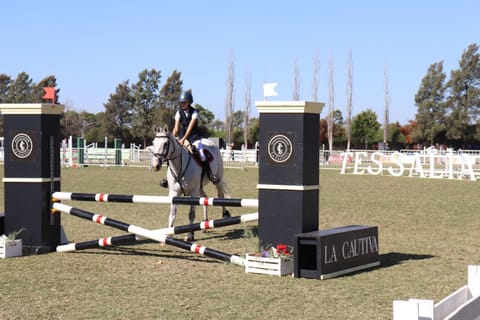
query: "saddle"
205, 165
196, 155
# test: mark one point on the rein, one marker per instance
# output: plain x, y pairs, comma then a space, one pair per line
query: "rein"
158, 155
181, 171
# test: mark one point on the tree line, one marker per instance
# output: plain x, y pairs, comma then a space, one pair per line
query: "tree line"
447, 111
131, 111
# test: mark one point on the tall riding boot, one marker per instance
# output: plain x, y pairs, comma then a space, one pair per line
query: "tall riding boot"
210, 175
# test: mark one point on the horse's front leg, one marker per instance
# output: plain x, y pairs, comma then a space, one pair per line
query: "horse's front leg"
191, 214
205, 208
191, 218
221, 195
173, 215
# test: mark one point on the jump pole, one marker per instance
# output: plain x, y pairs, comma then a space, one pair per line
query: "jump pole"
132, 238
149, 234
195, 201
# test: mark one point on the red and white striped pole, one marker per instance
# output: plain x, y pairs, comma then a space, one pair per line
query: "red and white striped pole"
131, 238
149, 234
196, 201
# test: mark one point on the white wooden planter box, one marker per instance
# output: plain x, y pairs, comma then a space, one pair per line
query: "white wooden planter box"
10, 248
265, 265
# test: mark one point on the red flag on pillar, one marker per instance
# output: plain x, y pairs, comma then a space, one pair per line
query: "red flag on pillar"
49, 93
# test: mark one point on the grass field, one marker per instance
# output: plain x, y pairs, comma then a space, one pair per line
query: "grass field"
427, 235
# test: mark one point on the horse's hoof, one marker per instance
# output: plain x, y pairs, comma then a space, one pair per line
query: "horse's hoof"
226, 214
189, 237
164, 183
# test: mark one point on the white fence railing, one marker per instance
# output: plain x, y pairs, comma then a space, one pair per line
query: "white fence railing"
136, 156
434, 163
462, 304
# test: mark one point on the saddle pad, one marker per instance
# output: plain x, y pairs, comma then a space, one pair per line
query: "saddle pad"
208, 155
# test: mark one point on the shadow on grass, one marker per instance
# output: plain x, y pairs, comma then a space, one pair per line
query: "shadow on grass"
233, 234
394, 258
159, 253
389, 260
165, 251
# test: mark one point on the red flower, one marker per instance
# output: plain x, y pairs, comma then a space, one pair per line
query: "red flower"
282, 249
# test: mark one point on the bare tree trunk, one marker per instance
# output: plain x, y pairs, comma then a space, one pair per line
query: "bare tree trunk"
331, 103
296, 82
229, 99
348, 127
246, 114
386, 110
316, 68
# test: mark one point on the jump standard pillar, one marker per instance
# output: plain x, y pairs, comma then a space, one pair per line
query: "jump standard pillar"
288, 188
32, 173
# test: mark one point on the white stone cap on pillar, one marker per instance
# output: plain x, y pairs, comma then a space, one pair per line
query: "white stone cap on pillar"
30, 108
289, 107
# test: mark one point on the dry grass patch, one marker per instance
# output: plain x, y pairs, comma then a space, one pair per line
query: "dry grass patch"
426, 237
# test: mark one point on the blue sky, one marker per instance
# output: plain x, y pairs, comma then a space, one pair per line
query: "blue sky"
92, 46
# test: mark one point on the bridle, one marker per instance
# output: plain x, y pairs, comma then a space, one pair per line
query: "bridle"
164, 157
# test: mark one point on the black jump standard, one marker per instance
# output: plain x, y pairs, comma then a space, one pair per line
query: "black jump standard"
32, 173
288, 187
288, 196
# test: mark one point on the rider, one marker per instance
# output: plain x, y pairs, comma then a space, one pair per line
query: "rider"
186, 125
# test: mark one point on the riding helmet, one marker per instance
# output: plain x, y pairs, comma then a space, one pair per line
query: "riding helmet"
186, 96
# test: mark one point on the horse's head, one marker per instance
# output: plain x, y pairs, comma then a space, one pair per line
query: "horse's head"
163, 147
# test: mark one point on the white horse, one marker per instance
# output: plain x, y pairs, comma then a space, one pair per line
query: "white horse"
185, 175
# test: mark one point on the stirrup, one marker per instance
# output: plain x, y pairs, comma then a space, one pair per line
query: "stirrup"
215, 180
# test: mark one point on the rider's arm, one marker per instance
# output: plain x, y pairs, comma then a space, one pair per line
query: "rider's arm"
177, 124
175, 128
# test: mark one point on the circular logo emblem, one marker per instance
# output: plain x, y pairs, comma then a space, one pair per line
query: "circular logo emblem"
22, 145
280, 148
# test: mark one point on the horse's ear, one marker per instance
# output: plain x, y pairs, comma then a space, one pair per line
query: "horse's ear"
155, 129
165, 128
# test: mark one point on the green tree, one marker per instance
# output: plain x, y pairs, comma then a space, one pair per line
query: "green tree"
237, 119
117, 121
338, 129
430, 103
169, 100
395, 138
339, 137
323, 134
464, 100
5, 81
365, 127
217, 125
254, 130
205, 118
146, 93
93, 129
71, 124
20, 90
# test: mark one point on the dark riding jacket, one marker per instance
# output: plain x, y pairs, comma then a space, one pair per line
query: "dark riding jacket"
185, 119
